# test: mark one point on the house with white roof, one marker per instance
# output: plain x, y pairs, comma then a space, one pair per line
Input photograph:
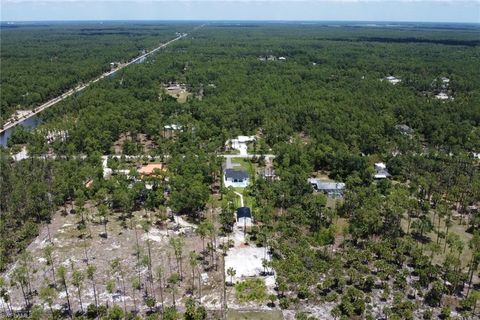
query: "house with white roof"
381, 171
393, 80
442, 96
240, 143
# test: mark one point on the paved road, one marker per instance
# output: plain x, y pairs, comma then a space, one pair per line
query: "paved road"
247, 156
81, 87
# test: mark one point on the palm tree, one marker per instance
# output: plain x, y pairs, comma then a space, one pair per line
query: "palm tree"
4, 295
117, 269
62, 274
474, 245
19, 279
48, 255
193, 260
77, 280
48, 295
25, 260
231, 273
448, 224
160, 277
202, 232
136, 286
90, 276
178, 243
442, 212
103, 212
146, 228
173, 281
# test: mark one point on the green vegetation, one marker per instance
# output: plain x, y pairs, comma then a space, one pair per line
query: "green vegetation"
257, 315
401, 248
251, 290
40, 62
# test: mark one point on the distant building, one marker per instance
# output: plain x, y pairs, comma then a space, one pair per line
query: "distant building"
244, 217
404, 129
393, 80
282, 58
445, 80
235, 178
150, 169
89, 184
170, 130
381, 171
332, 189
240, 143
268, 174
442, 96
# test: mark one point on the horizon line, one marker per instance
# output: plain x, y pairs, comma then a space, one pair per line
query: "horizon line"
241, 20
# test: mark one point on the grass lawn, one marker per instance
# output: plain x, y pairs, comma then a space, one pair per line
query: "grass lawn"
255, 315
244, 164
455, 228
340, 226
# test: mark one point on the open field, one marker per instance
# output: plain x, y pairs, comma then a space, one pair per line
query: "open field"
254, 315
77, 249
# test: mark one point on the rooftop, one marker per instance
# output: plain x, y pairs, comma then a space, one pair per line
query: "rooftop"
244, 212
150, 168
327, 185
236, 174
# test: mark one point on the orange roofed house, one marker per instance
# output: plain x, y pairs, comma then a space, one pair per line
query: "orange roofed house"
149, 169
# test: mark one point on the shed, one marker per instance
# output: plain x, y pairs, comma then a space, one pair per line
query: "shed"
244, 217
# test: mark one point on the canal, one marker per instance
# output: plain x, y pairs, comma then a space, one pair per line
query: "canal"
29, 124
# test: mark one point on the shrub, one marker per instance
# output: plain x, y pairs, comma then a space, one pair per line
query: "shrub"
251, 290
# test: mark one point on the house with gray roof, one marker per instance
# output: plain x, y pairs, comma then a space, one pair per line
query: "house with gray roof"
235, 178
331, 189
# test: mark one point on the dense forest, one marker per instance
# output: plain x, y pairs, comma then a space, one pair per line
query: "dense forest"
317, 98
41, 61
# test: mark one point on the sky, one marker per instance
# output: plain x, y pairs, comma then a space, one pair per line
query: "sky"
463, 11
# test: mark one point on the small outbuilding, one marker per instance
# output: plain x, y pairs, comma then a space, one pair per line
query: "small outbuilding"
244, 217
381, 171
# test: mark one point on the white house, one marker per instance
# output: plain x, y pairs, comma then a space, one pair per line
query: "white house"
393, 80
235, 178
381, 171
240, 143
442, 96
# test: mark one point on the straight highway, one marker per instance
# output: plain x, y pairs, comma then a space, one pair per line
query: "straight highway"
12, 123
